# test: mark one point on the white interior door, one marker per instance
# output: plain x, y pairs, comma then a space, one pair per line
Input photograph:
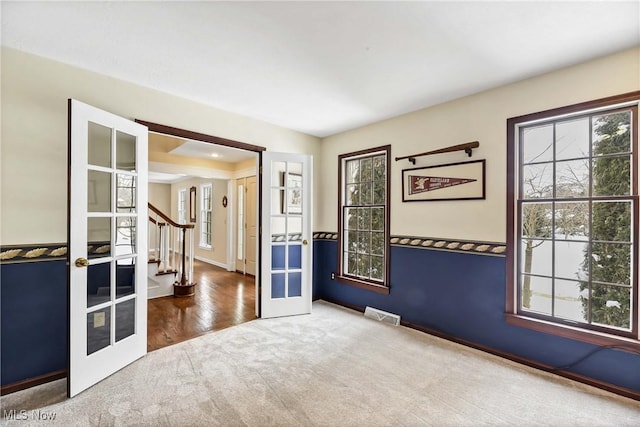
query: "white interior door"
107, 244
251, 222
241, 189
286, 234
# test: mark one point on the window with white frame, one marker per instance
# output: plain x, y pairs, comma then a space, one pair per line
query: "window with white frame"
363, 218
182, 206
206, 192
573, 239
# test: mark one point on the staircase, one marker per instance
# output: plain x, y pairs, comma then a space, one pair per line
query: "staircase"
171, 254
159, 285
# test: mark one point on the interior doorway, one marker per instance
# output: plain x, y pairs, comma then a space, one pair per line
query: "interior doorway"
226, 293
246, 220
113, 326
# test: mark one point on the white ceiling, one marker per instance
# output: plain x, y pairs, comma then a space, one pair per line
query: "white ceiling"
321, 67
166, 178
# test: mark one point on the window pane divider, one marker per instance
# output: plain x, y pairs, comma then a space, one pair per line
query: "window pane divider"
100, 169
124, 298
618, 285
100, 306
622, 198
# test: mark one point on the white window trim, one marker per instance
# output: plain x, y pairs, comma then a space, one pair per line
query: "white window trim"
203, 210
182, 213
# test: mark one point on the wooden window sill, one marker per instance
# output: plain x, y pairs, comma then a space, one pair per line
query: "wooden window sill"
578, 334
381, 289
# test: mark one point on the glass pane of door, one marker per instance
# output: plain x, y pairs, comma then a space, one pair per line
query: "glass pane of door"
286, 228
99, 145
98, 330
111, 224
125, 319
98, 283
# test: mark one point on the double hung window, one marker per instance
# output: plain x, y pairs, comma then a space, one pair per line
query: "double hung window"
182, 206
364, 218
205, 215
573, 215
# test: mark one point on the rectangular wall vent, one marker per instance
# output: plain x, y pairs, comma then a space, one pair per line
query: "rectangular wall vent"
382, 316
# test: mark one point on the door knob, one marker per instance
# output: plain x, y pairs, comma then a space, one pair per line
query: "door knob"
304, 242
82, 262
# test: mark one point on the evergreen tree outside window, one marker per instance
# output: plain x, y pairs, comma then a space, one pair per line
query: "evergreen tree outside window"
575, 203
364, 218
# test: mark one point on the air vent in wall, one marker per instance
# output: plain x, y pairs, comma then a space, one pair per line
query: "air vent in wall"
382, 316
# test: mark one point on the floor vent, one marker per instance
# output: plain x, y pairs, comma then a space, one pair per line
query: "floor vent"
382, 316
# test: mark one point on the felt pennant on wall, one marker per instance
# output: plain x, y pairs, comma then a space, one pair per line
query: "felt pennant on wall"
420, 184
453, 181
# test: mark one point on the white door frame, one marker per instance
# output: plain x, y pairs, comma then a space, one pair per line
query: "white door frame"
233, 190
231, 221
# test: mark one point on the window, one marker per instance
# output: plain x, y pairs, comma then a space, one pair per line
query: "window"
363, 218
182, 206
205, 216
572, 242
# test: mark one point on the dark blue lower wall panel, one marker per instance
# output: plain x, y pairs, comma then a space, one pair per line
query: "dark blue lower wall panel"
33, 312
463, 295
458, 294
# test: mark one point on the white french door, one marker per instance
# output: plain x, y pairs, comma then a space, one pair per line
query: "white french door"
287, 255
107, 244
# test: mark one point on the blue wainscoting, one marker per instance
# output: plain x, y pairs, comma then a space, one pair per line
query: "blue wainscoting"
463, 295
459, 294
33, 312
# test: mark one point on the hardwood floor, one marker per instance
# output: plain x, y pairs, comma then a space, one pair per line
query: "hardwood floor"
221, 299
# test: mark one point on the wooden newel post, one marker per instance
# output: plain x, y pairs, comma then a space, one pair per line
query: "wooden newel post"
186, 286
183, 278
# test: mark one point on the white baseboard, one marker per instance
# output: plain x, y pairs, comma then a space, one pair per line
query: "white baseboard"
157, 293
212, 262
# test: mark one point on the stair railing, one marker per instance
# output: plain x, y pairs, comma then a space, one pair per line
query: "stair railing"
169, 240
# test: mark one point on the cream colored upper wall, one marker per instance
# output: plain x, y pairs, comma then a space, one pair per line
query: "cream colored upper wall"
218, 251
34, 136
480, 117
244, 165
159, 195
34, 141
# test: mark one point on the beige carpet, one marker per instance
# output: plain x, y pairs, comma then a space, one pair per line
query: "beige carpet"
330, 368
